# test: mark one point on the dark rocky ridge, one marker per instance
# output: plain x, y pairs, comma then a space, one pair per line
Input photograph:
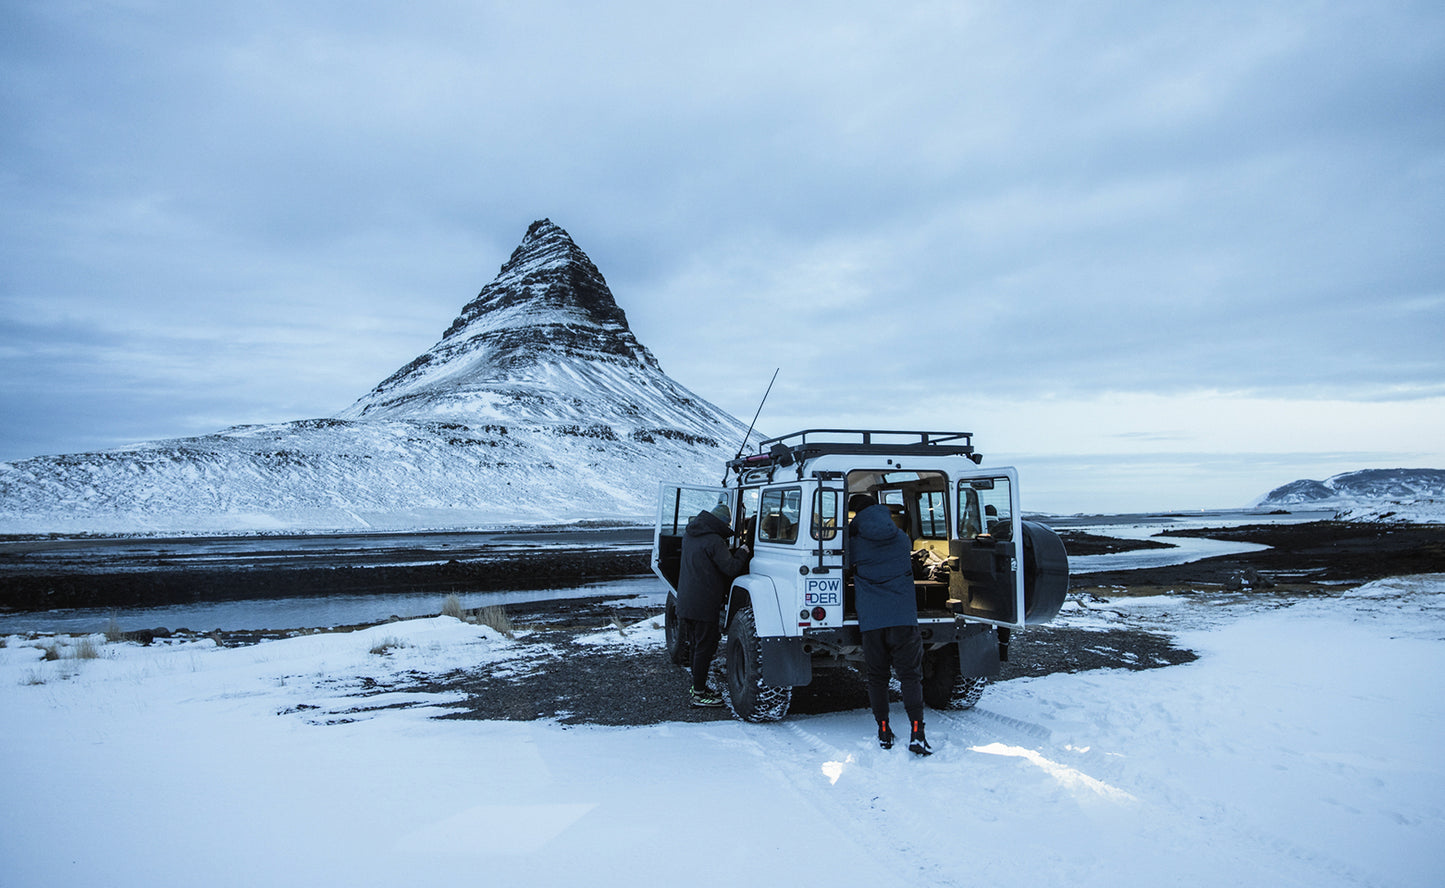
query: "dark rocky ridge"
549, 277
545, 346
550, 265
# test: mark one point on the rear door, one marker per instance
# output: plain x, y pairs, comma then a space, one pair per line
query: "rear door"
820, 593
986, 582
677, 504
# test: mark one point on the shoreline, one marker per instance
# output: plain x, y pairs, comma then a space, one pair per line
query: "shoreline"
1307, 557
31, 591
1311, 557
570, 683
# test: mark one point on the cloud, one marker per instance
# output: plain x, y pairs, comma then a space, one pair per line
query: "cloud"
266, 205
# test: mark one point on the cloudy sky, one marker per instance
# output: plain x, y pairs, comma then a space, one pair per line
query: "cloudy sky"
1161, 255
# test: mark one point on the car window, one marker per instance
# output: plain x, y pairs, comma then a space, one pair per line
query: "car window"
778, 515
825, 514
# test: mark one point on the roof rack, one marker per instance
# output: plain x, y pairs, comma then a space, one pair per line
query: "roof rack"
796, 447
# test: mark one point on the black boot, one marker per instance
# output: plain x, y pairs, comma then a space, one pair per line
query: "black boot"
885, 734
917, 743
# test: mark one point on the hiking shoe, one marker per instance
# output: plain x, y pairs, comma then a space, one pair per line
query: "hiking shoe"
706, 698
885, 734
917, 743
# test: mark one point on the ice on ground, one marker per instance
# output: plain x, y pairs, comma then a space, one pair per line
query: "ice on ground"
647, 633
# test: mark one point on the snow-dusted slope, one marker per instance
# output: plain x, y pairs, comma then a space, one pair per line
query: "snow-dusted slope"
545, 343
538, 405
1398, 495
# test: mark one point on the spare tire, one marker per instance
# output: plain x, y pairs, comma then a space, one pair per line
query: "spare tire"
1046, 573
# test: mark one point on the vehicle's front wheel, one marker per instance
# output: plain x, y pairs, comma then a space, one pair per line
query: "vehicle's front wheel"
747, 696
943, 686
678, 650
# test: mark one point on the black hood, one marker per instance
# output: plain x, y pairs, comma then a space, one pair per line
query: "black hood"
705, 523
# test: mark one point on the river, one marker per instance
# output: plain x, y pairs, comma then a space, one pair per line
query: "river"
308, 613
378, 549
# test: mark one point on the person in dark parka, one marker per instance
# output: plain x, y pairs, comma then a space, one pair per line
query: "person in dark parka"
881, 557
708, 568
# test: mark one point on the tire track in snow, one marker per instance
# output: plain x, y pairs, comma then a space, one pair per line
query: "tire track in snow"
1037, 731
887, 799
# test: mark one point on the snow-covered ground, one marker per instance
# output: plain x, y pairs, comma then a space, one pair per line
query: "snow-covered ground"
1302, 748
1413, 511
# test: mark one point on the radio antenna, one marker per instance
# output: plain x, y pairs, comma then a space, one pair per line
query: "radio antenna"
744, 446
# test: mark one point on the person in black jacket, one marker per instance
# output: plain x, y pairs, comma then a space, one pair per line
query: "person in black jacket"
708, 568
881, 557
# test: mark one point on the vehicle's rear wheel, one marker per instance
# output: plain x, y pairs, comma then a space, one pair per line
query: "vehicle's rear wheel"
943, 686
678, 650
747, 696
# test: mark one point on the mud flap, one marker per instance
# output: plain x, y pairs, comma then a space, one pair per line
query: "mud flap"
978, 655
785, 664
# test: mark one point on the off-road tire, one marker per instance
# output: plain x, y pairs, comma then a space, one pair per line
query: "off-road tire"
679, 652
943, 687
747, 697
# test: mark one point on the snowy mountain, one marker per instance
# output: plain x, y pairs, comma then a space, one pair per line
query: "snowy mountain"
538, 405
545, 343
1399, 495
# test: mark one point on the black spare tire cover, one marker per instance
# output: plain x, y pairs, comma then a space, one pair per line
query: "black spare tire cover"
1046, 573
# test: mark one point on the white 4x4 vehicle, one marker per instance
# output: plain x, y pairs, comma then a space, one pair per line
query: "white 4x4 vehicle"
979, 570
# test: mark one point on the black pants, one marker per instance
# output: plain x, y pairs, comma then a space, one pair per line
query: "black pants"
900, 647
703, 637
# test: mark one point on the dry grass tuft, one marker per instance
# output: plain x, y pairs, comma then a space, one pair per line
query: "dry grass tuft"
113, 632
387, 645
85, 649
495, 616
452, 607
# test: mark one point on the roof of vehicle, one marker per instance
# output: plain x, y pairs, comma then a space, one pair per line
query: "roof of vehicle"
804, 445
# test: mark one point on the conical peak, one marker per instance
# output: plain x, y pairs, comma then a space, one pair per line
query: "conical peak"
543, 226
547, 272
544, 342
545, 245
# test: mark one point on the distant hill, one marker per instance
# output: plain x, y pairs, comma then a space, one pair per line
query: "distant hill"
1413, 495
537, 406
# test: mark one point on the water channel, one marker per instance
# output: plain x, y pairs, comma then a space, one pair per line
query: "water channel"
347, 610
309, 613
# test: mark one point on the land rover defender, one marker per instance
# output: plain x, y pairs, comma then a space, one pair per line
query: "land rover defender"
980, 570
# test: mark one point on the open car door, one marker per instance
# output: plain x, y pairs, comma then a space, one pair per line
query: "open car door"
986, 583
677, 504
